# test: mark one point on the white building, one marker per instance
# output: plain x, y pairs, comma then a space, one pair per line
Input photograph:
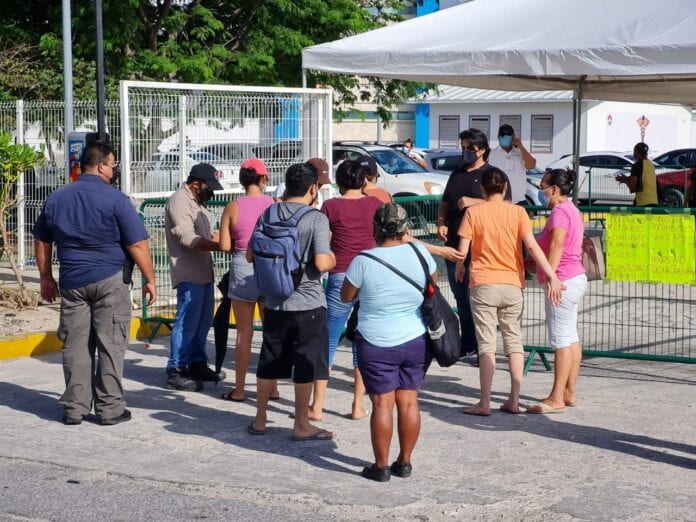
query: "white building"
544, 121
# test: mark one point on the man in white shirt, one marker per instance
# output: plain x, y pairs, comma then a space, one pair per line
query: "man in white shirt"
512, 158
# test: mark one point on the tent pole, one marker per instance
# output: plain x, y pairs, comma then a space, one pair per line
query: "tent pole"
304, 78
577, 128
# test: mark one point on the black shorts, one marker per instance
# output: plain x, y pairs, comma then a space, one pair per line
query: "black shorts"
295, 344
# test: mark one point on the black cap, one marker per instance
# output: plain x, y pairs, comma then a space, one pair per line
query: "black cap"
369, 162
506, 129
206, 173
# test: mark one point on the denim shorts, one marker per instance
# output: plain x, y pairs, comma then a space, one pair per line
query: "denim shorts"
242, 284
385, 369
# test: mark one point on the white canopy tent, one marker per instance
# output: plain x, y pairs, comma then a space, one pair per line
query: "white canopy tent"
641, 51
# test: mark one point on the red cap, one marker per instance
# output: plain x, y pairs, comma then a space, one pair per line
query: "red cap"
257, 165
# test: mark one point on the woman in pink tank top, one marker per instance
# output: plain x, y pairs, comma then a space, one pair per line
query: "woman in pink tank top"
236, 226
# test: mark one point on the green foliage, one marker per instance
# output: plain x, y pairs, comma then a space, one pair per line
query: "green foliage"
251, 42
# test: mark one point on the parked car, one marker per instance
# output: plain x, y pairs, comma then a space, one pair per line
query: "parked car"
443, 161
596, 179
675, 172
399, 175
534, 177
163, 171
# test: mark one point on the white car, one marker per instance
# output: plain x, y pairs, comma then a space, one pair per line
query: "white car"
399, 174
163, 172
596, 179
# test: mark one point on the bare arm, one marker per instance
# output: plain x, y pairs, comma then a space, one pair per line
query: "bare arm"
324, 262
49, 288
229, 218
464, 245
554, 284
140, 252
558, 236
348, 291
529, 160
449, 253
466, 202
441, 220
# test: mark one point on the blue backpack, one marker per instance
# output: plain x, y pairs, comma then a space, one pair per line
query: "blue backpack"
277, 257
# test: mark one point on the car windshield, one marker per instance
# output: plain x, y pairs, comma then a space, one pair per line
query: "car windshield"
394, 162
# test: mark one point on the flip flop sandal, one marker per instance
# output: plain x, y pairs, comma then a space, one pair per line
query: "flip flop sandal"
319, 435
254, 431
228, 397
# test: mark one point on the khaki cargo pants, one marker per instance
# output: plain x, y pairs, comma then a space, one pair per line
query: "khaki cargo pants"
94, 328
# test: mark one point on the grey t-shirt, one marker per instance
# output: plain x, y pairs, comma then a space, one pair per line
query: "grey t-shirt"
313, 232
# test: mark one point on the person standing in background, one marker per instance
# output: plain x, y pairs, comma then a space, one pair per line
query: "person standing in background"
512, 158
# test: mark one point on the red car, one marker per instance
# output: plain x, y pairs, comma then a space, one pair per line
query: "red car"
674, 186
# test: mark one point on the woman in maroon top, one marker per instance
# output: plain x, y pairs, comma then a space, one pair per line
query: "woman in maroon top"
350, 218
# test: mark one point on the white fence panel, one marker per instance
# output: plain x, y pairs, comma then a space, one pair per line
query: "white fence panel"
170, 127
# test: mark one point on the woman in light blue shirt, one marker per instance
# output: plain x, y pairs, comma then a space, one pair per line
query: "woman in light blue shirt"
391, 335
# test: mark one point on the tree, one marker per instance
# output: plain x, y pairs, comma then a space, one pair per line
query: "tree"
251, 42
14, 160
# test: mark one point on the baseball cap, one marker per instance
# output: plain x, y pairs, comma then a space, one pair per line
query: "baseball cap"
369, 162
207, 173
322, 169
506, 130
256, 164
390, 219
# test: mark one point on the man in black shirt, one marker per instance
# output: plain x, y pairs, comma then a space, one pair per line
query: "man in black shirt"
463, 190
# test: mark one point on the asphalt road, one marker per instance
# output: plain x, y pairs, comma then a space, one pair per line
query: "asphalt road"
627, 451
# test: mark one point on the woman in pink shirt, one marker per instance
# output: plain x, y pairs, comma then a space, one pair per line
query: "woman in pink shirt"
561, 241
236, 226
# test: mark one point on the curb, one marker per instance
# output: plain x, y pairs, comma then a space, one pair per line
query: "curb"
42, 343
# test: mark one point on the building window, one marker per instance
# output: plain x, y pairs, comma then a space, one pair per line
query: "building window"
514, 121
542, 133
482, 123
448, 135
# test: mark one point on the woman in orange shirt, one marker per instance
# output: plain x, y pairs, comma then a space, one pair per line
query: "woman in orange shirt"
495, 231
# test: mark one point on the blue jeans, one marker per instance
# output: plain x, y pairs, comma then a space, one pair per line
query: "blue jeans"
337, 313
194, 315
461, 296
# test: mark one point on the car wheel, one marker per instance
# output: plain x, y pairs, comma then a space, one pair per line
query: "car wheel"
672, 198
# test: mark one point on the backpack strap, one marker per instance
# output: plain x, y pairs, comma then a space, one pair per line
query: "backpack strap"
393, 269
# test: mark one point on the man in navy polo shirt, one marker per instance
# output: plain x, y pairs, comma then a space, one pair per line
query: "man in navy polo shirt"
94, 227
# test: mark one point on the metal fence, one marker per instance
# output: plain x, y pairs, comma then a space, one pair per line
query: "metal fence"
598, 185
616, 319
40, 124
173, 126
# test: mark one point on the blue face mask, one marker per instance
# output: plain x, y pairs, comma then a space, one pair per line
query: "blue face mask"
542, 199
469, 157
505, 141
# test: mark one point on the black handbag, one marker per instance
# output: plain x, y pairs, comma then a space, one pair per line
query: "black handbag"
442, 324
352, 323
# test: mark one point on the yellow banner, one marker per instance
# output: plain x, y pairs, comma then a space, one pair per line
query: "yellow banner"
651, 248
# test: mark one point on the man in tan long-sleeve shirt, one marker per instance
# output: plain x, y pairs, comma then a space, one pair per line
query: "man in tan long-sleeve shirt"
188, 228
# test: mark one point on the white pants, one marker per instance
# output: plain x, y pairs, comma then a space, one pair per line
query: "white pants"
562, 320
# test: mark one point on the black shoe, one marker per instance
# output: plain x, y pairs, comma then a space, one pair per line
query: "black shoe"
377, 474
401, 469
124, 417
176, 380
200, 371
71, 421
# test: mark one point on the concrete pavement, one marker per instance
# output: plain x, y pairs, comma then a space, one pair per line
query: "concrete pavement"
627, 451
